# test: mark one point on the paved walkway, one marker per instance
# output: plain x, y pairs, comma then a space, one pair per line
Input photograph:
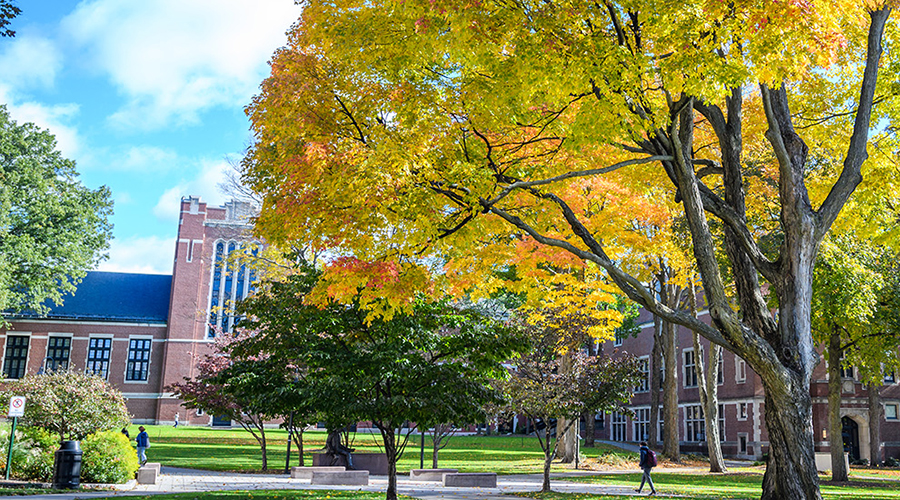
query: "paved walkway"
174, 480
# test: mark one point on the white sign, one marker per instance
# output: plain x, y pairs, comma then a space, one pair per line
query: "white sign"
16, 406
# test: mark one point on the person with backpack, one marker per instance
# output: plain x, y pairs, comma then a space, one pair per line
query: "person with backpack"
647, 463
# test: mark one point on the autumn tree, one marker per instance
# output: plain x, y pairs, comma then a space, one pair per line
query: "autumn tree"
552, 383
52, 228
480, 133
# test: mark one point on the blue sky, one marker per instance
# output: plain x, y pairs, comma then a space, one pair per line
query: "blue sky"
147, 96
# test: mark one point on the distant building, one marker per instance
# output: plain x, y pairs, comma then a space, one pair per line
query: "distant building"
742, 404
143, 332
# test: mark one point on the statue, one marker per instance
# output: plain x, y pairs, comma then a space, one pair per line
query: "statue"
335, 447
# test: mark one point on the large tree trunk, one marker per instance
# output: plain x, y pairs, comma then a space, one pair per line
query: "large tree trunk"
876, 415
655, 382
566, 435
389, 438
708, 386
589, 428
791, 467
838, 467
669, 297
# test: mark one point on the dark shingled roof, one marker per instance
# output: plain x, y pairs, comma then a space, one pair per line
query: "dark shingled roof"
121, 297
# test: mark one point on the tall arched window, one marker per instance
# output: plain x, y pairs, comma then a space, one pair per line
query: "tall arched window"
231, 282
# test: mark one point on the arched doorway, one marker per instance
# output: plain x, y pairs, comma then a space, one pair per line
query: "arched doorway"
850, 435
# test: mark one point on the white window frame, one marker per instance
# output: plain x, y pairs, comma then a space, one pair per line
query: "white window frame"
720, 376
87, 354
149, 359
692, 380
895, 411
740, 370
743, 411
743, 443
694, 424
618, 427
721, 422
644, 384
640, 424
51, 335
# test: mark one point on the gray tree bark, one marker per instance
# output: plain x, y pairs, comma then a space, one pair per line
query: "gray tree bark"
655, 382
708, 386
876, 416
835, 433
671, 447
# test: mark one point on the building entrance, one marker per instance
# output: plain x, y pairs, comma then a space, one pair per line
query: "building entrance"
850, 435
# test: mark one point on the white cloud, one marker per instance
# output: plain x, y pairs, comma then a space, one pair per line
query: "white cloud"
29, 60
175, 58
205, 184
140, 254
56, 118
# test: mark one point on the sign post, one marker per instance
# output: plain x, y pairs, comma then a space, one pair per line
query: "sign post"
16, 410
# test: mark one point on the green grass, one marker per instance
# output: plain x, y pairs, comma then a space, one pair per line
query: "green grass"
742, 485
237, 450
269, 495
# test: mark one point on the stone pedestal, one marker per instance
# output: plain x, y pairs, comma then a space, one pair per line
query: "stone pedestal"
375, 463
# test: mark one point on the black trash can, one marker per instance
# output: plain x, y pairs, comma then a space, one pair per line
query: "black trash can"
67, 466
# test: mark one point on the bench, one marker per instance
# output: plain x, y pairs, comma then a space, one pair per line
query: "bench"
147, 473
429, 474
471, 479
307, 472
345, 478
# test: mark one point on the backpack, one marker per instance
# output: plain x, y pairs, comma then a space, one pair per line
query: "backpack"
651, 458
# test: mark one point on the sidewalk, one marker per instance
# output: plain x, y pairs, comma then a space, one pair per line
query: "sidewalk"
174, 480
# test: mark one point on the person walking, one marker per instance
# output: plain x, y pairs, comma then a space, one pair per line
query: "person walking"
143, 442
647, 463
176, 420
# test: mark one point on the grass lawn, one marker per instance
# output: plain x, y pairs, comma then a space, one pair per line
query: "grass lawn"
737, 485
237, 450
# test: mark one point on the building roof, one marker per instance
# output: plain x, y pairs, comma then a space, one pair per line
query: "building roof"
119, 297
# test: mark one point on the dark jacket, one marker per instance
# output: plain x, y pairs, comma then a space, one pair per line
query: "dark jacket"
645, 452
142, 440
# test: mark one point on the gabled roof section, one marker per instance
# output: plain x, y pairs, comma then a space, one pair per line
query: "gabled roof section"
114, 297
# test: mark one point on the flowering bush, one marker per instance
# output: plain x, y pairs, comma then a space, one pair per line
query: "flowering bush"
32, 453
108, 457
70, 404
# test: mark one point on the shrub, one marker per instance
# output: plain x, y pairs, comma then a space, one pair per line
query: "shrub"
892, 462
70, 404
32, 453
107, 458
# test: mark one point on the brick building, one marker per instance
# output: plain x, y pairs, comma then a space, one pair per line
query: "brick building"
143, 331
742, 404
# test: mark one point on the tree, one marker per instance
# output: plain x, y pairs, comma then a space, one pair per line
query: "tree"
52, 228
544, 389
242, 389
70, 404
8, 11
849, 294
467, 128
430, 365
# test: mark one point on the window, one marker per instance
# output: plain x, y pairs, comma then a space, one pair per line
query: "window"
890, 412
138, 360
644, 367
231, 282
742, 444
740, 370
98, 356
720, 376
619, 421
58, 353
599, 421
847, 372
16, 359
199, 412
641, 423
722, 422
890, 377
695, 426
742, 411
690, 372
617, 341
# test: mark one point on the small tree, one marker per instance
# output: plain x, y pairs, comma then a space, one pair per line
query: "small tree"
70, 404
543, 390
431, 364
218, 389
